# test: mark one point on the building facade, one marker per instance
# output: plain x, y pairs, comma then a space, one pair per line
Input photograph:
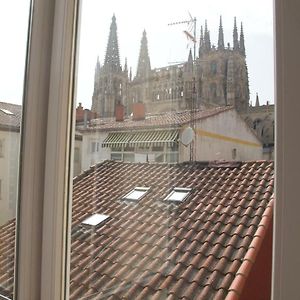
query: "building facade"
261, 119
219, 134
10, 116
217, 76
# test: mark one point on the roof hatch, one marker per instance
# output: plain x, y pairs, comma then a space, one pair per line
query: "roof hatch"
136, 194
178, 194
95, 220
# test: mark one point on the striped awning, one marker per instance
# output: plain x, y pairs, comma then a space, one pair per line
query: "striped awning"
141, 138
117, 140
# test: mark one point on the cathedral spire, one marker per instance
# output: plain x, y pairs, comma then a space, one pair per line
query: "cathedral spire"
257, 100
190, 59
207, 45
144, 67
242, 41
112, 59
130, 74
97, 71
125, 65
189, 65
98, 64
201, 42
221, 36
235, 36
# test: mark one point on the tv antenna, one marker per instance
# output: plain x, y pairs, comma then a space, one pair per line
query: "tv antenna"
191, 35
191, 22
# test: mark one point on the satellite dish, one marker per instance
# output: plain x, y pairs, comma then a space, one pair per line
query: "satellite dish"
187, 136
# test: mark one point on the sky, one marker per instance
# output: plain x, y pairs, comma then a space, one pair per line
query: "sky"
166, 44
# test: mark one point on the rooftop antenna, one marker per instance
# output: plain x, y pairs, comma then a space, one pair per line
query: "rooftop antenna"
192, 22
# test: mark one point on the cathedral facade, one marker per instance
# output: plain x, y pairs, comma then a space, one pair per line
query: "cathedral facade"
217, 76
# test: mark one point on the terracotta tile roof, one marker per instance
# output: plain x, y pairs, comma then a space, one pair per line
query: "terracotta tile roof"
8, 120
201, 248
164, 120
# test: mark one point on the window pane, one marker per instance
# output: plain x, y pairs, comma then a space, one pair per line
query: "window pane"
171, 104
14, 27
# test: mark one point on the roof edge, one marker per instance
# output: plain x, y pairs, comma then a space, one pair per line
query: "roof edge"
236, 288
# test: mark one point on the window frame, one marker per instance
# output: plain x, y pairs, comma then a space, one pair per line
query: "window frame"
143, 189
44, 220
286, 237
45, 181
183, 190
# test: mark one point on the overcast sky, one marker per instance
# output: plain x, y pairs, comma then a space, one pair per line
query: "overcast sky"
166, 43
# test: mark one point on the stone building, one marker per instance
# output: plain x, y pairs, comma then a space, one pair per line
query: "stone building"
217, 76
111, 81
261, 119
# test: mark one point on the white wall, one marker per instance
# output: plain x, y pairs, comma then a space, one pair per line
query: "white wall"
89, 158
9, 168
77, 157
214, 139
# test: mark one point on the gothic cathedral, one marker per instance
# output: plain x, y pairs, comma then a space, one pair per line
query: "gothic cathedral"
218, 76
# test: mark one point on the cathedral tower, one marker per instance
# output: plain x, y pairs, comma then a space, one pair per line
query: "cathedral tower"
140, 85
110, 80
144, 67
222, 75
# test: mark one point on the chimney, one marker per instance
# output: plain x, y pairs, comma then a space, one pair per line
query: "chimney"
79, 112
120, 112
138, 110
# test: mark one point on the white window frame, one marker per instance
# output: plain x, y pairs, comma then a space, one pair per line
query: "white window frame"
286, 241
45, 187
185, 191
2, 148
136, 189
45, 181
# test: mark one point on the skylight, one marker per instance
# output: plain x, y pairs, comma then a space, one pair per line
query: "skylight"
95, 219
6, 111
178, 194
136, 194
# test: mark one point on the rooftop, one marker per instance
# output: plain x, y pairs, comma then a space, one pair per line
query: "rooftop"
160, 249
163, 120
10, 115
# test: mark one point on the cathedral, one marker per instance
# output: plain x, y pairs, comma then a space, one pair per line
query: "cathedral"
216, 76
213, 76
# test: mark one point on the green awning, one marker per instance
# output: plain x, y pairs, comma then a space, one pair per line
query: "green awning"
141, 138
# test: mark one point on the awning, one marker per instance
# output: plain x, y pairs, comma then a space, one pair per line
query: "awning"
117, 140
141, 138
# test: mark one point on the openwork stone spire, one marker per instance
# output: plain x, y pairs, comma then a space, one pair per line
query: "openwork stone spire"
221, 36
242, 41
144, 66
112, 58
235, 36
201, 43
257, 100
207, 44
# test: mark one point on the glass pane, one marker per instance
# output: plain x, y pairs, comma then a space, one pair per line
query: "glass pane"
173, 96
14, 31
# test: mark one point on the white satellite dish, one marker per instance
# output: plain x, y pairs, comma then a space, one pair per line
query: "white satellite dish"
187, 136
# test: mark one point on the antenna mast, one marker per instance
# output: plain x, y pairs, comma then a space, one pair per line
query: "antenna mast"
192, 37
193, 93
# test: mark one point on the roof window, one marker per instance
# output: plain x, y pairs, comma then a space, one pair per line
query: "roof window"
6, 111
136, 194
178, 194
95, 220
